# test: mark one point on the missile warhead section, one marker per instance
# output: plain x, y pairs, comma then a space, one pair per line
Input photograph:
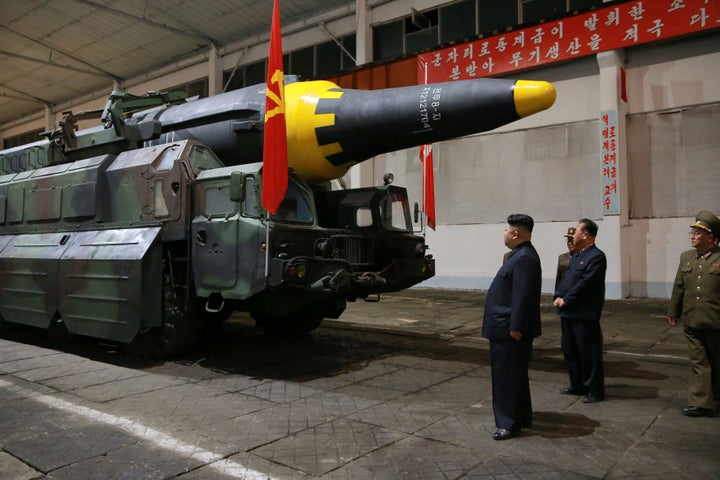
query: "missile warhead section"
330, 129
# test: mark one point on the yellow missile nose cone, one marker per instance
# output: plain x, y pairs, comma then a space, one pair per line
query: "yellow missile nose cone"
532, 96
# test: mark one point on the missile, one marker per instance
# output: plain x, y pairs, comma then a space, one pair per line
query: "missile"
330, 129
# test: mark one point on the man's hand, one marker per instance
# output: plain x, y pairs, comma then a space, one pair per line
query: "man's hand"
672, 320
558, 302
516, 335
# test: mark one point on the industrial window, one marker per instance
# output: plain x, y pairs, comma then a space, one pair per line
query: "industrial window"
328, 59
255, 73
302, 63
334, 56
536, 10
494, 15
421, 31
193, 89
582, 5
460, 20
23, 138
388, 40
457, 21
350, 44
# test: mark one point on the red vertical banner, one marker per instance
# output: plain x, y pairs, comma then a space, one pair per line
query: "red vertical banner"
275, 154
428, 179
426, 158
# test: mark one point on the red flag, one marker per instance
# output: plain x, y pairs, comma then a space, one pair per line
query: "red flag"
428, 197
428, 180
275, 155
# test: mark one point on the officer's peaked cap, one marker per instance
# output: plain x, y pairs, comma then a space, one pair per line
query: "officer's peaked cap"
708, 222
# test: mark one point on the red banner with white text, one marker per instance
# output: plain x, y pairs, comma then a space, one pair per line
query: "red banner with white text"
624, 25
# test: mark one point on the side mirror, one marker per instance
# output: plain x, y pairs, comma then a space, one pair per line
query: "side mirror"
416, 213
237, 186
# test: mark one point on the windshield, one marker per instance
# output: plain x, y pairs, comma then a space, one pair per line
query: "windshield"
296, 206
394, 212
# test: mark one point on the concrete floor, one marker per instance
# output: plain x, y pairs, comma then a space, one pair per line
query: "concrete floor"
398, 389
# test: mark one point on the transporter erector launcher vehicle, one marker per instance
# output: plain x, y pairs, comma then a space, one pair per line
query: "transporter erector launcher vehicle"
147, 227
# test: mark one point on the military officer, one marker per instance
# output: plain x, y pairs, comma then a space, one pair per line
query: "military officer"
695, 301
564, 258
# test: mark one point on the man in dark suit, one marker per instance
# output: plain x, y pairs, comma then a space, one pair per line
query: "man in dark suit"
695, 301
579, 298
511, 321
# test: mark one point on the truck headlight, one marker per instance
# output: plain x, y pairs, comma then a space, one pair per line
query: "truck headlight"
298, 271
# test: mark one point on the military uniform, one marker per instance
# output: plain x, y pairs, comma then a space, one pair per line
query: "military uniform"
695, 301
564, 258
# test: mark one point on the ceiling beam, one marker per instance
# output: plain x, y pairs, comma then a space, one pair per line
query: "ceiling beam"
25, 97
55, 49
192, 34
52, 64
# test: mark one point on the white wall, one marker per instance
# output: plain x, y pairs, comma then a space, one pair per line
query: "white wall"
660, 77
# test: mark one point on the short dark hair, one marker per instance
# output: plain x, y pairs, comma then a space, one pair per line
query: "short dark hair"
521, 220
589, 226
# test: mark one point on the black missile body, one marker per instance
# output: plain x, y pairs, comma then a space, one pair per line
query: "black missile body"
330, 128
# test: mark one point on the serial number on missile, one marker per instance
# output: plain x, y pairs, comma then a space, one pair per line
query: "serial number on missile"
430, 106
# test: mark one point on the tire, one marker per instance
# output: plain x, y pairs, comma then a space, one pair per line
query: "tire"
58, 333
183, 315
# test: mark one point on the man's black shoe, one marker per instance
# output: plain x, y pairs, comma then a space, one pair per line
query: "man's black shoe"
571, 391
504, 434
590, 398
698, 412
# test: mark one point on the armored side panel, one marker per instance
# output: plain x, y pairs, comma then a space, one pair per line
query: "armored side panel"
111, 283
29, 277
25, 157
60, 195
106, 283
151, 185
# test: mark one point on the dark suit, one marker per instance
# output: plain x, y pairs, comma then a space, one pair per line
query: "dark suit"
582, 288
513, 303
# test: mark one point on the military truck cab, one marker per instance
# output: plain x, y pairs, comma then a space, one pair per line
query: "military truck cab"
294, 268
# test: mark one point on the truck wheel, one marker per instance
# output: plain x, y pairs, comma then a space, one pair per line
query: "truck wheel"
4, 326
58, 333
181, 327
288, 325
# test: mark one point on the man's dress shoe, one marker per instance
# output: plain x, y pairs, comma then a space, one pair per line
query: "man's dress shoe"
698, 412
590, 398
571, 391
504, 434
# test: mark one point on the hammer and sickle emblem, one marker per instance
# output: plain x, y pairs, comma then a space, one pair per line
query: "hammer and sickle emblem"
278, 98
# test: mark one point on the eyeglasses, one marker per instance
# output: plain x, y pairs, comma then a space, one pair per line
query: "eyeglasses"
697, 233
